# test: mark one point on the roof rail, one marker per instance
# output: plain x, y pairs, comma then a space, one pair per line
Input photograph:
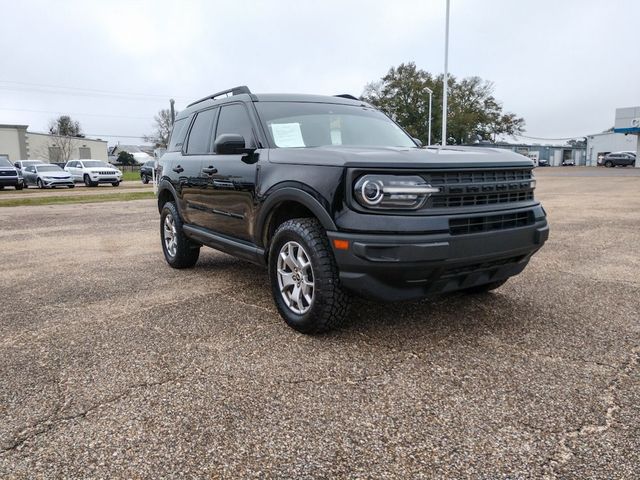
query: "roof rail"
233, 91
346, 95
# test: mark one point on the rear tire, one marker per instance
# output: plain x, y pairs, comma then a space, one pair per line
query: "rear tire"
72, 186
179, 251
487, 287
608, 164
300, 258
144, 179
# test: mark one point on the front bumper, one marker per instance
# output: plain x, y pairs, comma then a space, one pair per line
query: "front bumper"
58, 182
403, 267
106, 179
10, 181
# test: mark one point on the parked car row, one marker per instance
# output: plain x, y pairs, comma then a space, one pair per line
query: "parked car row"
25, 173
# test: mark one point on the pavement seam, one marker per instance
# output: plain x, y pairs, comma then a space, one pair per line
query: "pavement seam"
563, 452
50, 422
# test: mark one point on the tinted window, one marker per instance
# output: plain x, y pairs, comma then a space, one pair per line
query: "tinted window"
235, 119
200, 136
298, 124
4, 162
178, 133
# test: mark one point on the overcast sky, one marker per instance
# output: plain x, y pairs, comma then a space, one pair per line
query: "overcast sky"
562, 65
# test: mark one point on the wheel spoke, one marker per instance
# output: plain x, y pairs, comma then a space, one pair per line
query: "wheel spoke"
286, 278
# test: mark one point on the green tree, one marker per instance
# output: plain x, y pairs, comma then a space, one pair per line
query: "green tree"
474, 113
126, 158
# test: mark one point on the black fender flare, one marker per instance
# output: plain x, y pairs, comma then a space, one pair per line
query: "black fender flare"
294, 194
165, 185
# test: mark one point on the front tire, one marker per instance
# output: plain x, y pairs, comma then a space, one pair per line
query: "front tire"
144, 179
179, 251
115, 184
19, 186
304, 277
40, 184
88, 182
608, 164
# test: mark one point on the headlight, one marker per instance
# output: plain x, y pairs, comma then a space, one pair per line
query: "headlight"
386, 192
47, 178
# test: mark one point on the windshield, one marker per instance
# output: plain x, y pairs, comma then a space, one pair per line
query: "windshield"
300, 124
5, 163
49, 168
95, 163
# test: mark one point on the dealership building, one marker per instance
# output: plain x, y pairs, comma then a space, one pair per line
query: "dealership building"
17, 143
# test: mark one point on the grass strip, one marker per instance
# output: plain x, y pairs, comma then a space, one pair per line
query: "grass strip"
57, 200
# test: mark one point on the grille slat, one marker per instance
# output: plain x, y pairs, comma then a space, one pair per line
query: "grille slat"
478, 188
489, 223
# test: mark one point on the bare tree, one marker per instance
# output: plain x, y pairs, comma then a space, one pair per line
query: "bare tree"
162, 126
64, 134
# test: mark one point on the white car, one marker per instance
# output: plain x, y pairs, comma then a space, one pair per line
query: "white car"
93, 172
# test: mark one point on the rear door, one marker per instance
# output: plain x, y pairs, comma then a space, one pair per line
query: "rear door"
230, 181
197, 148
29, 175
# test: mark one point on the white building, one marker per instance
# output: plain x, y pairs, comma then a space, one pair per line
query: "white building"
599, 144
16, 143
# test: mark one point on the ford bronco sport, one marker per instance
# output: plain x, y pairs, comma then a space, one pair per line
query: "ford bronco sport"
337, 199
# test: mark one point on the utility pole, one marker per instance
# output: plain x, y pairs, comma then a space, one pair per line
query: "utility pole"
173, 111
446, 80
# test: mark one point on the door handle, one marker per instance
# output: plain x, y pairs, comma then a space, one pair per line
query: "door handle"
210, 170
178, 169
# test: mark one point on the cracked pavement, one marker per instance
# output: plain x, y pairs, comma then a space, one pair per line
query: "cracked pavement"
113, 365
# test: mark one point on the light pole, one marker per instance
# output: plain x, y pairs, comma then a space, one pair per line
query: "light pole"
446, 80
430, 92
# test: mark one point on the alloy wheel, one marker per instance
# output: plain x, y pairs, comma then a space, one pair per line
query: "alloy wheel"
170, 235
295, 277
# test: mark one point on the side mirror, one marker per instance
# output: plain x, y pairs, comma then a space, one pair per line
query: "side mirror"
417, 140
231, 144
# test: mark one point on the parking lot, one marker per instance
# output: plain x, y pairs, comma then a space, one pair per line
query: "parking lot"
114, 365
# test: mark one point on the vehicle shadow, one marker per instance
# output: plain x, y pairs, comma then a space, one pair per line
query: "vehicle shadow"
455, 313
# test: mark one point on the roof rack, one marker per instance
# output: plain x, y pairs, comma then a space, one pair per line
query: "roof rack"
346, 95
233, 91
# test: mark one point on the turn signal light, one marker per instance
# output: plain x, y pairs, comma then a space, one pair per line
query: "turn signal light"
340, 244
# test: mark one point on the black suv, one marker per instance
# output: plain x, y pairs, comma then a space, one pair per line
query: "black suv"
10, 176
337, 199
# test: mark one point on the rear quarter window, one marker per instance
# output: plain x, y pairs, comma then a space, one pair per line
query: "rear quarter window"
178, 134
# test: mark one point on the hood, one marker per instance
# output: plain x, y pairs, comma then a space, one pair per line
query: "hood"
55, 174
102, 169
447, 157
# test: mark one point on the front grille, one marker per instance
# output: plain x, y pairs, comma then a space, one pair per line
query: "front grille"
447, 201
8, 173
106, 173
471, 188
464, 226
484, 176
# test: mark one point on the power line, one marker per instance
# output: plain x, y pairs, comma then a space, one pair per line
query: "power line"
95, 90
75, 113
